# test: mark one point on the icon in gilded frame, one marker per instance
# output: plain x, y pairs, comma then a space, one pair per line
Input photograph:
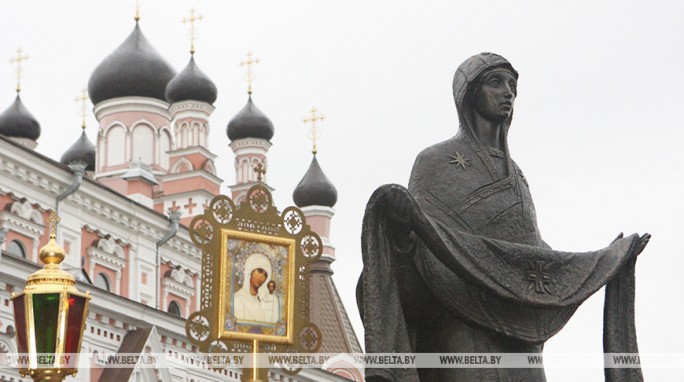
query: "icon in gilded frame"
257, 287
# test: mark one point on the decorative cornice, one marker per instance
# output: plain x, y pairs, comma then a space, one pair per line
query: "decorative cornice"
128, 104
191, 108
192, 150
191, 193
174, 263
256, 144
26, 142
21, 225
25, 210
171, 285
328, 212
181, 275
246, 186
107, 251
106, 259
189, 174
16, 168
111, 173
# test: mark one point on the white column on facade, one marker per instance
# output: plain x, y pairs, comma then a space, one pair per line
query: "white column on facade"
34, 251
156, 136
100, 163
156, 148
118, 282
129, 147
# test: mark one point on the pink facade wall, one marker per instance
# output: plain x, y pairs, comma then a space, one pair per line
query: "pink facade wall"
117, 184
320, 225
190, 184
5, 201
139, 186
197, 160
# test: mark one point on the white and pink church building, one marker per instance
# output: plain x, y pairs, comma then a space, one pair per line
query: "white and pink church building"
125, 203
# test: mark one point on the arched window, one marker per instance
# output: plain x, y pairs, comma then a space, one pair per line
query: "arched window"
174, 308
202, 136
101, 281
116, 146
245, 171
16, 248
184, 138
143, 144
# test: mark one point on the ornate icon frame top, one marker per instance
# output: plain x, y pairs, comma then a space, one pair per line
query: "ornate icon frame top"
257, 221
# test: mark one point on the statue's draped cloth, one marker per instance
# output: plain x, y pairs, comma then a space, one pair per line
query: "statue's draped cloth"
490, 283
477, 250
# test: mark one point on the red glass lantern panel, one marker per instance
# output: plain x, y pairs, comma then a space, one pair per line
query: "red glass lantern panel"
45, 316
74, 323
20, 323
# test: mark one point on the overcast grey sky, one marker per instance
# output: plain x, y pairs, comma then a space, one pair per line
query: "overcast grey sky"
597, 130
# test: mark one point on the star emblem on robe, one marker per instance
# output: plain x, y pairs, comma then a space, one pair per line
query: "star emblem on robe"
459, 160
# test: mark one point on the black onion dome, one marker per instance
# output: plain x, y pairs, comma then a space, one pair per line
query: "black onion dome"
83, 150
250, 122
18, 122
315, 189
191, 84
135, 68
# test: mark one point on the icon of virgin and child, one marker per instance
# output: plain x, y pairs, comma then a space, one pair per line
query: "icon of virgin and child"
257, 299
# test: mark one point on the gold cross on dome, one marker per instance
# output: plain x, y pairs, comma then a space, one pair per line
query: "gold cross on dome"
18, 60
314, 134
137, 11
249, 75
83, 100
53, 220
192, 33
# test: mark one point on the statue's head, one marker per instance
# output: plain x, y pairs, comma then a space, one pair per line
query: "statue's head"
485, 84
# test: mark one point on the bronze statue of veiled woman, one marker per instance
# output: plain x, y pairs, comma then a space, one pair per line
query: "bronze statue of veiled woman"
456, 264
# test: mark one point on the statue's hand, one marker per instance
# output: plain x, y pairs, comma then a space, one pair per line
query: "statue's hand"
620, 236
399, 211
641, 243
399, 205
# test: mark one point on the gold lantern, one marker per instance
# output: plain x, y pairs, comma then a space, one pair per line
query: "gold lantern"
50, 315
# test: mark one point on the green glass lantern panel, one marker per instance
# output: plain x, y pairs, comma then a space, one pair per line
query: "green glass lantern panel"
45, 318
20, 323
74, 323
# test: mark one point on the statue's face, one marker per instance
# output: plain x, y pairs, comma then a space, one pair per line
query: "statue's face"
494, 99
258, 277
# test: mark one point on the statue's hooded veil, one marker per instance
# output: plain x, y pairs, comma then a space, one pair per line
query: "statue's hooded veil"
468, 78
